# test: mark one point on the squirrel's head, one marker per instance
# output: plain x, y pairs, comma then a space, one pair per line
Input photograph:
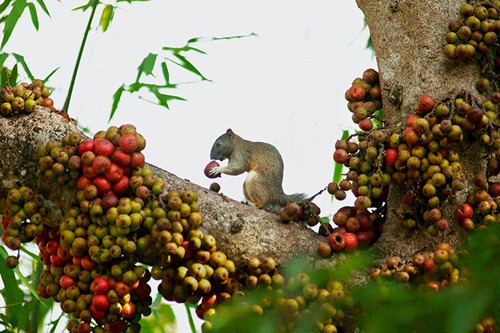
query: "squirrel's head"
223, 146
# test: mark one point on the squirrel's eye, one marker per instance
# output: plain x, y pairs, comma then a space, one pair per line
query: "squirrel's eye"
218, 143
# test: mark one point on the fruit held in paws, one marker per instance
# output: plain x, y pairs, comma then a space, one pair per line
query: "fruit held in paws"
210, 166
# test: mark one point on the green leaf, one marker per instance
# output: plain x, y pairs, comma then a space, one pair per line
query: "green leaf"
146, 66
190, 317
163, 99
3, 57
106, 17
34, 15
4, 5
337, 171
20, 59
11, 20
184, 63
50, 74
116, 100
12, 294
44, 8
13, 76
166, 74
85, 7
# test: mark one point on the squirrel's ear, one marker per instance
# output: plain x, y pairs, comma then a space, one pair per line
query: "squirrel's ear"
229, 132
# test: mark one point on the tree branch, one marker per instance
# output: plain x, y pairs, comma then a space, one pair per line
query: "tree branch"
241, 231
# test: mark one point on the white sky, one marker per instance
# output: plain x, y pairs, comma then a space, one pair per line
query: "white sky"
286, 86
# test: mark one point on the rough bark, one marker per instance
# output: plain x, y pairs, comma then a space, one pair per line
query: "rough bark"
241, 231
408, 39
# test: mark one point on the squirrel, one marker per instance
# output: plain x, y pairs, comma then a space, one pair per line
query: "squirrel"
264, 164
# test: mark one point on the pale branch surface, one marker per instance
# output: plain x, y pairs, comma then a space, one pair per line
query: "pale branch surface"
241, 231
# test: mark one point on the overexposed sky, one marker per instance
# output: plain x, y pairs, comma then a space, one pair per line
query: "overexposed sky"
284, 86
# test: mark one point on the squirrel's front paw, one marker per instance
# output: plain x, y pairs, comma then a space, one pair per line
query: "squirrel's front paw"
215, 171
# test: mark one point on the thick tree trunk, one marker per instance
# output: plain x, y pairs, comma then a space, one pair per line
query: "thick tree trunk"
408, 39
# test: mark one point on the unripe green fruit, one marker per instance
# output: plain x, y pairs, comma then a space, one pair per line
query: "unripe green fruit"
17, 104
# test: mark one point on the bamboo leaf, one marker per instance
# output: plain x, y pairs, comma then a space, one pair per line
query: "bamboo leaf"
20, 59
106, 17
4, 5
3, 57
190, 317
166, 74
34, 15
50, 74
11, 20
116, 100
12, 294
146, 65
184, 63
85, 7
13, 76
44, 8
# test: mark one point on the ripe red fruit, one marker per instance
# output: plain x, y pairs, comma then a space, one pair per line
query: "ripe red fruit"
410, 136
122, 288
114, 174
121, 187
365, 238
56, 260
411, 119
82, 181
63, 253
366, 125
87, 263
100, 286
336, 241
85, 145
210, 166
351, 242
467, 224
51, 246
101, 164
48, 102
121, 158
137, 160
340, 156
66, 281
464, 211
100, 302
356, 92
365, 222
494, 189
103, 147
425, 104
128, 143
128, 310
391, 156
5, 221
97, 314
109, 200
103, 184
475, 114
89, 172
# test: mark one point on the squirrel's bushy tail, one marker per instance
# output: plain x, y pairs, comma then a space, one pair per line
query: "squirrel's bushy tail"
275, 205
